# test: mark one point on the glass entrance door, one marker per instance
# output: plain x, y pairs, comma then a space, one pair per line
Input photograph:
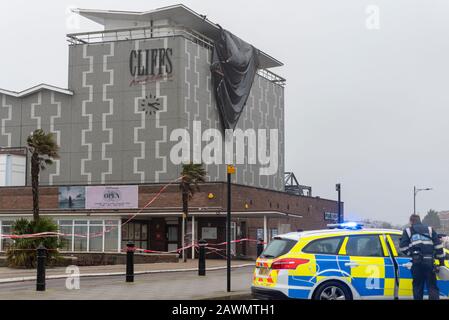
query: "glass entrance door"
136, 232
172, 237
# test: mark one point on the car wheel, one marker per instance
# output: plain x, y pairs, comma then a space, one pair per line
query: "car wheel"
332, 290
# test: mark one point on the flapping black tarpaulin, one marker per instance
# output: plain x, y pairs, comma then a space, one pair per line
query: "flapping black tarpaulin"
234, 66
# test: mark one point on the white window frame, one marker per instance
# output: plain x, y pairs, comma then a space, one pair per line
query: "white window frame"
233, 238
88, 236
72, 249
1, 236
2, 240
118, 226
104, 236
119, 245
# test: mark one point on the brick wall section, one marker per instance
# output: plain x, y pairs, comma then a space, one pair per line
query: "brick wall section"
258, 200
21, 198
99, 259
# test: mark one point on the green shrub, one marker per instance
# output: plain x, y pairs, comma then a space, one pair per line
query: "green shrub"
22, 253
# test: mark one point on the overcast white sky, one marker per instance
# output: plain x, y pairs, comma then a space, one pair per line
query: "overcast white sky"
365, 107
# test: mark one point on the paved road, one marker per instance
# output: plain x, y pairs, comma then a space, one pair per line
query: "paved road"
182, 285
8, 273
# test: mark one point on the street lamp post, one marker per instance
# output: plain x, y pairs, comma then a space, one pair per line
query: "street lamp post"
230, 172
415, 192
338, 189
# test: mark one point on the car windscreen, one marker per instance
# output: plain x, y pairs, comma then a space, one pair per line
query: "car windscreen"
278, 247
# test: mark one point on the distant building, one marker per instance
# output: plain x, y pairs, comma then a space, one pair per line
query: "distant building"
444, 218
379, 224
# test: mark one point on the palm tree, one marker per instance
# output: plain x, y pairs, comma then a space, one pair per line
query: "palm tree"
191, 176
43, 149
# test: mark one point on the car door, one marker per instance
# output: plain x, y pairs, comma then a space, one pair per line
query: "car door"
370, 266
404, 263
405, 274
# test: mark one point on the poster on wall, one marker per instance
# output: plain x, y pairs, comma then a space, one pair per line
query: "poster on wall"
330, 216
259, 234
209, 233
72, 197
112, 197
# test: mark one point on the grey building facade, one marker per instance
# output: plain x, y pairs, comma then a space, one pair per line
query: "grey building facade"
114, 125
132, 88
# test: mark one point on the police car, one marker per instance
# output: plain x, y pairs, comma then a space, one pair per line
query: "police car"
342, 263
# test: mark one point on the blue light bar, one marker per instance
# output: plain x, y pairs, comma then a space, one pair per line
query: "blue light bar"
346, 225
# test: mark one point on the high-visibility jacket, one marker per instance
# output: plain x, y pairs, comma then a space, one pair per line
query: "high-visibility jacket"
422, 238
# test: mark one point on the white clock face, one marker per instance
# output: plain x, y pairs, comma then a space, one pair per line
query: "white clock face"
150, 104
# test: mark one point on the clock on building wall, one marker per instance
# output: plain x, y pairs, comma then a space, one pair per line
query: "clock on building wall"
150, 104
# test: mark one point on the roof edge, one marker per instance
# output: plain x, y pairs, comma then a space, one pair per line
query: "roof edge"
91, 15
82, 11
34, 89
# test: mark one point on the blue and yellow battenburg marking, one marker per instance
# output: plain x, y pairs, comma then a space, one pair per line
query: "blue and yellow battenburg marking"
369, 276
367, 281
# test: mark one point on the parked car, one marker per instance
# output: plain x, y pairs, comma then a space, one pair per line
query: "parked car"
347, 262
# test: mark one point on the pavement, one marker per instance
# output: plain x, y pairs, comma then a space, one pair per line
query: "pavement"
8, 275
154, 286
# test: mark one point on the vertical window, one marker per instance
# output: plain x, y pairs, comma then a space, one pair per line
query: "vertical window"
90, 235
324, 246
144, 231
130, 231
364, 246
396, 241
233, 238
6, 229
136, 232
80, 235
96, 236
66, 228
172, 233
111, 235
259, 233
13, 167
125, 228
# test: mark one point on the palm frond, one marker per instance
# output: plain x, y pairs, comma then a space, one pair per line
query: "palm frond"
23, 251
44, 146
192, 175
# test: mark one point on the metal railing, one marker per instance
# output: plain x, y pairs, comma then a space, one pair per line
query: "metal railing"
139, 33
270, 76
150, 32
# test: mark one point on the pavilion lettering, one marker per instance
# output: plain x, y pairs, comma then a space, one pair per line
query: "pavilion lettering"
151, 62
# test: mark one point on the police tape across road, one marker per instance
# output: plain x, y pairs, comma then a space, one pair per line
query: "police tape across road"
209, 246
90, 235
112, 274
100, 234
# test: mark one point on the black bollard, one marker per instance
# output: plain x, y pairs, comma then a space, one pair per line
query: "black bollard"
41, 253
259, 247
202, 258
130, 248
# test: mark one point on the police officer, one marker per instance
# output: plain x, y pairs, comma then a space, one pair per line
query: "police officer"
422, 244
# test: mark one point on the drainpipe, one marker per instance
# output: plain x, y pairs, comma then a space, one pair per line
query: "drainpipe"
265, 231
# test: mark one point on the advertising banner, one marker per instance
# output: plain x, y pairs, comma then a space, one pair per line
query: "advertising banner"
331, 216
209, 233
112, 197
71, 197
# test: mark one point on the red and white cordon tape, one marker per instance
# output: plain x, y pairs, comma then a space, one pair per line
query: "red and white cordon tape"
91, 235
209, 246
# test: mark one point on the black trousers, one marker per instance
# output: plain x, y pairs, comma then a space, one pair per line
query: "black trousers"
423, 274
